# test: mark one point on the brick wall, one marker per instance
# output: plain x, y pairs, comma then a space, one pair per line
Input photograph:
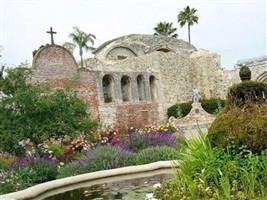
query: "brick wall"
128, 115
53, 62
87, 90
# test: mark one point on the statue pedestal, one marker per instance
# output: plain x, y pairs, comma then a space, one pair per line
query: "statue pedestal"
197, 116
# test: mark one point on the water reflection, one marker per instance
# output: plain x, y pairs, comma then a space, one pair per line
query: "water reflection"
129, 189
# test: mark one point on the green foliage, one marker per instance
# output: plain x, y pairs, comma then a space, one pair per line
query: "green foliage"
71, 169
10, 182
215, 174
56, 150
209, 105
82, 40
247, 92
245, 73
244, 121
184, 107
166, 29
154, 154
212, 105
179, 112
29, 111
100, 158
188, 16
245, 126
219, 108
15, 80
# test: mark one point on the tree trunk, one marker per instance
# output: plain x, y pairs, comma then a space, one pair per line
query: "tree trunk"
189, 39
81, 54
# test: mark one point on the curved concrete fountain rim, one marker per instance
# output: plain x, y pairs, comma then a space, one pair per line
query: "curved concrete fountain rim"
37, 190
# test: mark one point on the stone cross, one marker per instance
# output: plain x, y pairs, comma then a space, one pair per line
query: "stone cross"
51, 32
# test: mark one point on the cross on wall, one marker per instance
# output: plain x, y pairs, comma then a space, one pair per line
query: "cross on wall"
51, 33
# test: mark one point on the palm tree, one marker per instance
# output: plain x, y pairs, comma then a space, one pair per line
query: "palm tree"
188, 16
164, 28
82, 39
69, 46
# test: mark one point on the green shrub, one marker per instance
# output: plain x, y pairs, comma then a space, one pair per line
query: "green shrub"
38, 171
184, 108
247, 92
244, 121
100, 158
10, 182
1, 163
70, 169
154, 154
138, 141
209, 105
56, 150
245, 126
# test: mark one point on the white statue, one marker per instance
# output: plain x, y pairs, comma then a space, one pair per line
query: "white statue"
195, 95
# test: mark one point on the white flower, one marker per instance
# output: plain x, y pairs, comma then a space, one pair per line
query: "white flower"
157, 185
150, 196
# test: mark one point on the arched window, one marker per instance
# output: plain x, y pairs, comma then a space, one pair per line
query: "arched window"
126, 88
165, 50
108, 88
141, 87
153, 89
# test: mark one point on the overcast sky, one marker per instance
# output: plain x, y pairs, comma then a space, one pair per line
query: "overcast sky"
234, 29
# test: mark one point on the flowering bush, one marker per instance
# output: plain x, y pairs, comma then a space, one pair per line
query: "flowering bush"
35, 170
160, 128
80, 143
9, 182
6, 161
99, 158
105, 135
138, 141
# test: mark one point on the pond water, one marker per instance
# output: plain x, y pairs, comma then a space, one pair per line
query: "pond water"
128, 187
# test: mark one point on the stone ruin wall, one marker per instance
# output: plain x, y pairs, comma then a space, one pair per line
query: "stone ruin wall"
125, 114
179, 73
258, 67
175, 72
207, 74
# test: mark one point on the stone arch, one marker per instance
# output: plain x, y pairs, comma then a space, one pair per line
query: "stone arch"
126, 88
108, 88
153, 88
120, 53
141, 87
262, 77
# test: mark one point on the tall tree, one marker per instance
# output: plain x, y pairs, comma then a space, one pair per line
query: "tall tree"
165, 28
188, 16
82, 39
69, 46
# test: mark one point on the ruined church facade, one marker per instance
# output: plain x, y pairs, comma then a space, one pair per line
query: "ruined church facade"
132, 80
